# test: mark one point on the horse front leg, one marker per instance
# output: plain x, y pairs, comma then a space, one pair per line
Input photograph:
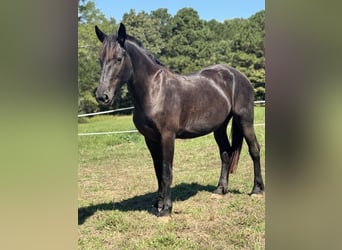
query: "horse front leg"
168, 142
155, 149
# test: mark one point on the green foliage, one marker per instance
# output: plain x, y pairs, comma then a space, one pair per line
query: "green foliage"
186, 47
87, 103
87, 13
183, 42
145, 29
88, 53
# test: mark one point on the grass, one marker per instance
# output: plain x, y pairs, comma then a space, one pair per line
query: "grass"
117, 187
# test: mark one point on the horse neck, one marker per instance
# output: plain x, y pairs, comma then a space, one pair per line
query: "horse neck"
143, 69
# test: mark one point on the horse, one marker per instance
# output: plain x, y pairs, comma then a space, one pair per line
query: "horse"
168, 105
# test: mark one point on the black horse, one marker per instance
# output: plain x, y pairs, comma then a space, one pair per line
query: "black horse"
169, 105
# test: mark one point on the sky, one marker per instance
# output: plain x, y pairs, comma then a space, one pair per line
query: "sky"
207, 9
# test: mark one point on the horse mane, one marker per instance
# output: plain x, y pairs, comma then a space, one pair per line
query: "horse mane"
148, 53
140, 45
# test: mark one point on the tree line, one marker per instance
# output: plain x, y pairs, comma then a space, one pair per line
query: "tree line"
184, 42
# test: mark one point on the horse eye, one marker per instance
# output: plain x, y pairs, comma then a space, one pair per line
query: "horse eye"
119, 59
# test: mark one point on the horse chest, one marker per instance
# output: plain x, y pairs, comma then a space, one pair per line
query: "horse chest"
146, 126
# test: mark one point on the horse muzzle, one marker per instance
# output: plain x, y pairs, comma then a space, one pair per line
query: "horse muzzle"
104, 99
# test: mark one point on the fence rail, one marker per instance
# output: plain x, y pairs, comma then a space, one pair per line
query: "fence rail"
129, 131
105, 112
134, 131
129, 108
260, 102
109, 133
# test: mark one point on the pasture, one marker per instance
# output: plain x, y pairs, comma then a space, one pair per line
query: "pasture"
117, 187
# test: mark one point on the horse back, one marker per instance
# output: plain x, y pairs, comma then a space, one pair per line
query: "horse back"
235, 84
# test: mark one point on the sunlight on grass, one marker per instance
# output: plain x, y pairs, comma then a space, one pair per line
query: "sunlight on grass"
117, 188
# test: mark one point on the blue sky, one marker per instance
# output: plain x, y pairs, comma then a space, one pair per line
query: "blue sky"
207, 9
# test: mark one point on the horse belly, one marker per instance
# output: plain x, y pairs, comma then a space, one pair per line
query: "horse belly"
188, 134
204, 108
202, 123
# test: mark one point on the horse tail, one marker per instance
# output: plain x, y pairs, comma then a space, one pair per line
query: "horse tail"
237, 139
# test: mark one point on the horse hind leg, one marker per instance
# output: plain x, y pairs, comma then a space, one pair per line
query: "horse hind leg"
254, 151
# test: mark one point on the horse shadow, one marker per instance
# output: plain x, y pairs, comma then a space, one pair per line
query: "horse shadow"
180, 192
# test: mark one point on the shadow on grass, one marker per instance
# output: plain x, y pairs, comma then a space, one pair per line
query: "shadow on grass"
180, 192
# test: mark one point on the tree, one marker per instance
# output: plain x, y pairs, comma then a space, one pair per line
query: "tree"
186, 47
183, 42
87, 12
162, 18
247, 48
145, 29
88, 53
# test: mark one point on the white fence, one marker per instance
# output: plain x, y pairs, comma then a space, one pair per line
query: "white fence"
128, 108
105, 112
129, 131
260, 102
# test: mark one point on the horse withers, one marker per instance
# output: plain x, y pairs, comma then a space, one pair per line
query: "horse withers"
169, 106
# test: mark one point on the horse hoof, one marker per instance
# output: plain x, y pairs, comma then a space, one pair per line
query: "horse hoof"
220, 191
166, 212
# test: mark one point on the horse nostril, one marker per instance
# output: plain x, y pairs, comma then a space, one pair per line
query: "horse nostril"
104, 98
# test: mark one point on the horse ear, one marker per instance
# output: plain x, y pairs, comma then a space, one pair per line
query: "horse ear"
122, 35
100, 35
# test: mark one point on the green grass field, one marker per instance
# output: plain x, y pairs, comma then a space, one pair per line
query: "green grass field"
117, 187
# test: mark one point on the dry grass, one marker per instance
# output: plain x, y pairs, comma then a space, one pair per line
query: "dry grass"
117, 188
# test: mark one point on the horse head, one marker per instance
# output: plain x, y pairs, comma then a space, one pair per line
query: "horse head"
116, 66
